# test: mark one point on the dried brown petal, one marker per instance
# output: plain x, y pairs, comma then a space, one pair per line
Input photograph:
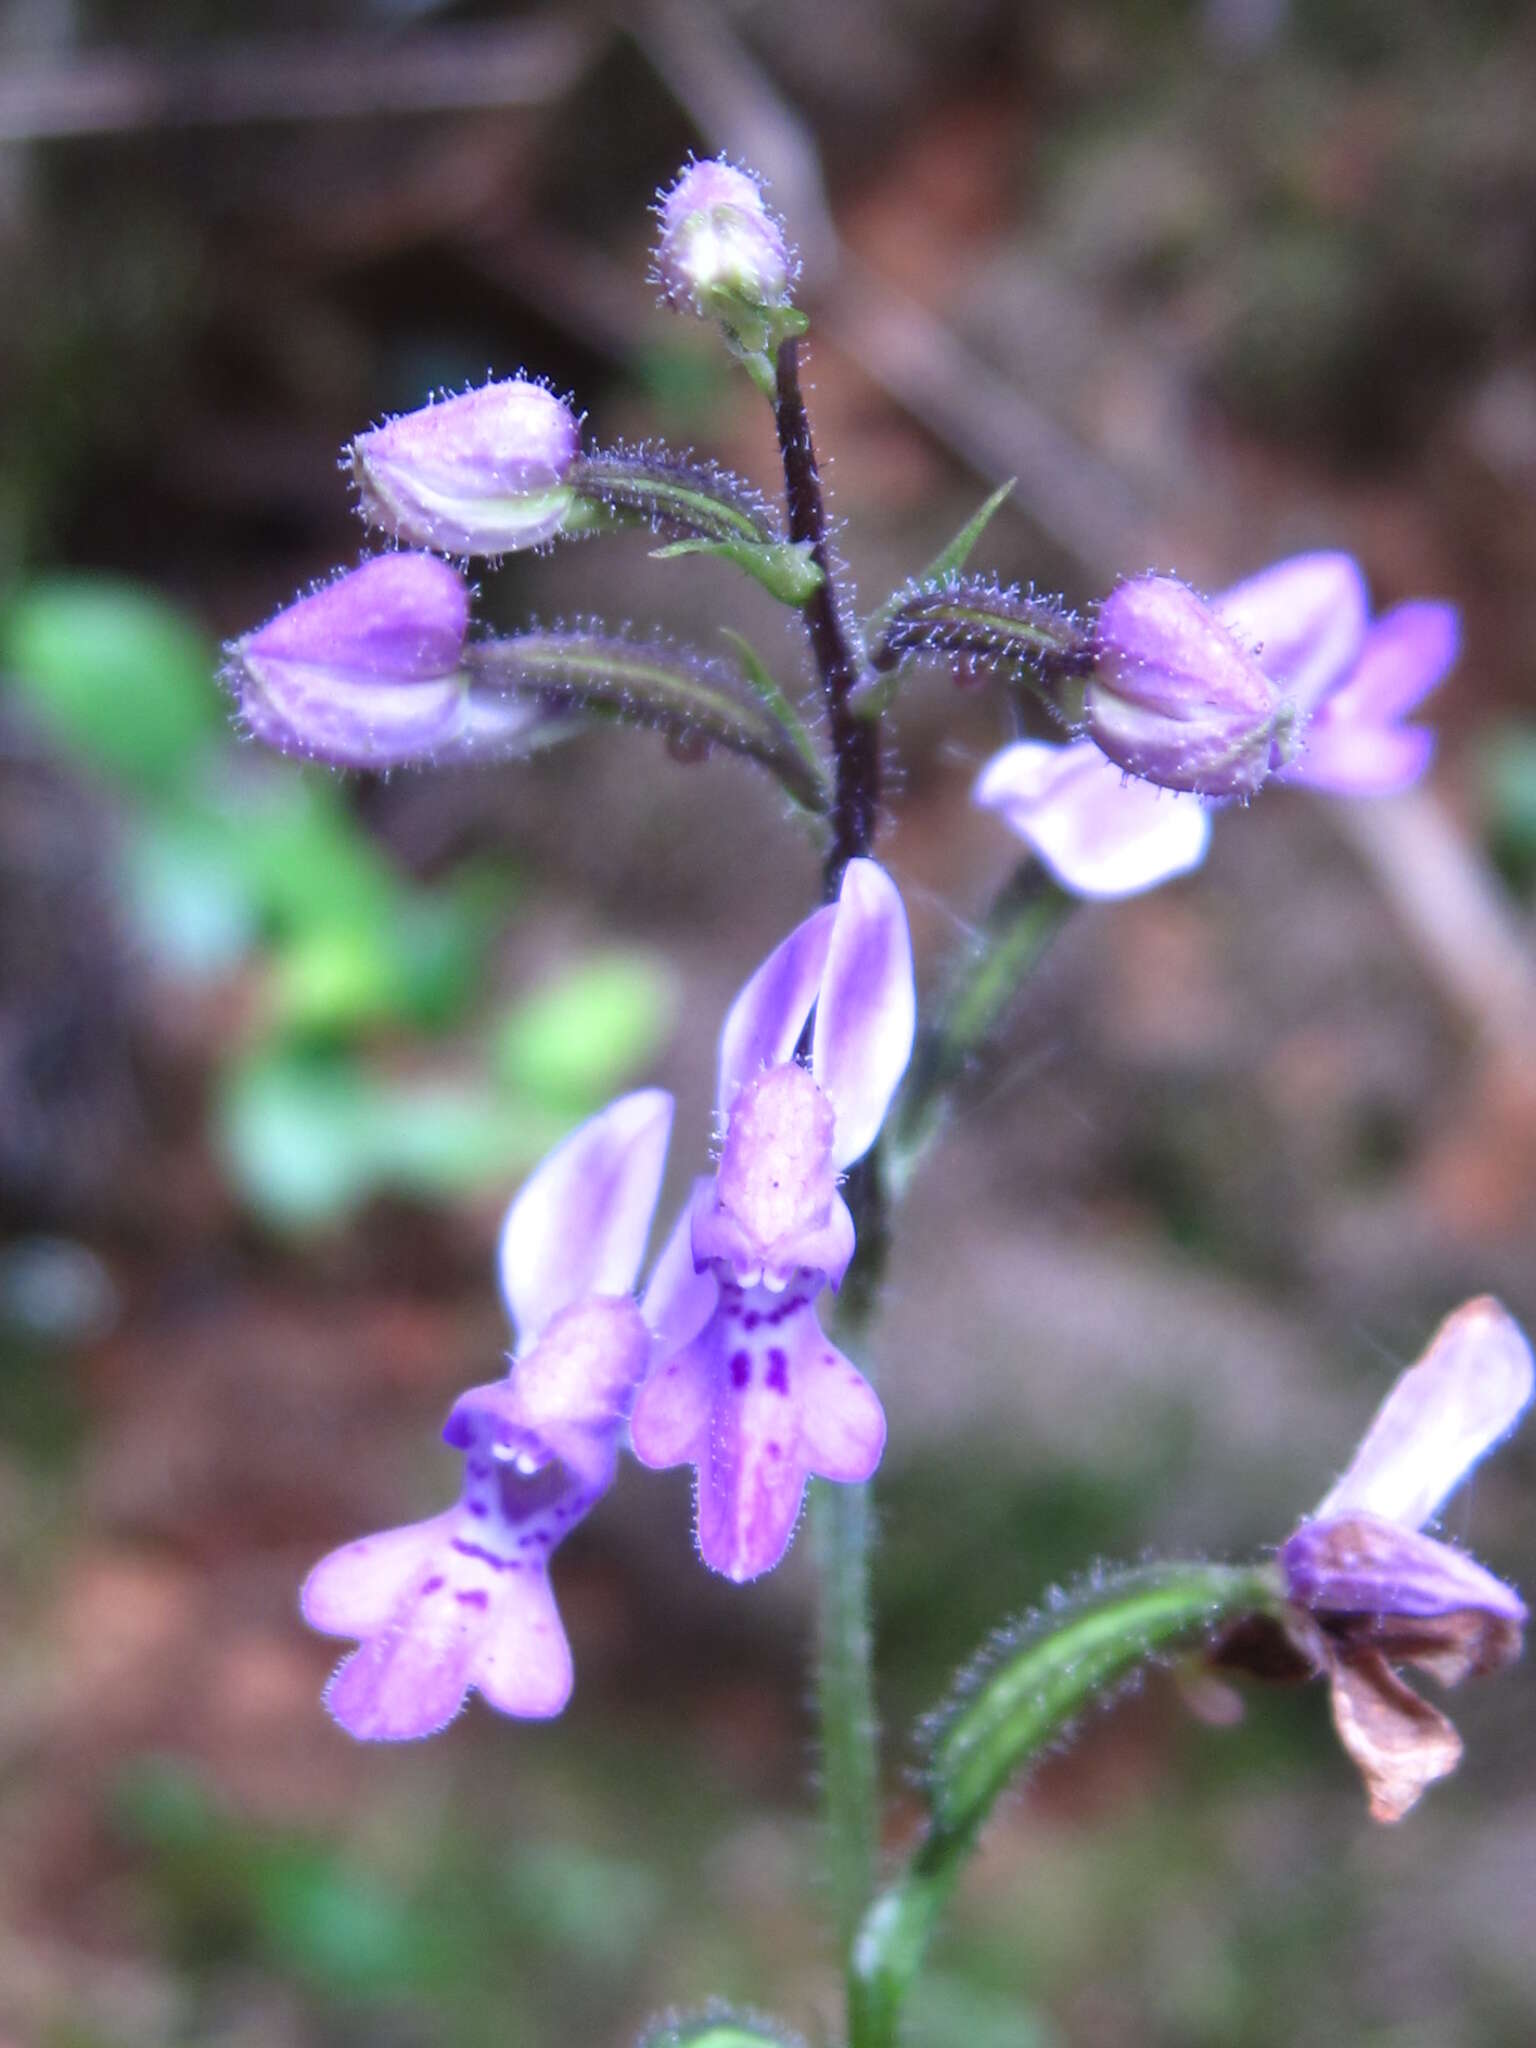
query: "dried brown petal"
1399, 1742
1450, 1647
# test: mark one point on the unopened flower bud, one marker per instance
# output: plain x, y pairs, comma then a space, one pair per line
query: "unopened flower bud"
481, 474
1175, 697
366, 672
720, 247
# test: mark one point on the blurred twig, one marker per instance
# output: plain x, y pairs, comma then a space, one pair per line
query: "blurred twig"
1453, 909
304, 79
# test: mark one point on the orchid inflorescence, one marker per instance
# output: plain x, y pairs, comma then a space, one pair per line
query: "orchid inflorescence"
1171, 704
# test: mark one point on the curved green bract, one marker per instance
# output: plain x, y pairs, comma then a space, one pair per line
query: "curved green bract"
1037, 1677
1022, 1694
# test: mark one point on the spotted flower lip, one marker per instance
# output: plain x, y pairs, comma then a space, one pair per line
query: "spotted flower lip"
1100, 834
746, 1387
462, 1601
1351, 681
479, 474
1370, 1590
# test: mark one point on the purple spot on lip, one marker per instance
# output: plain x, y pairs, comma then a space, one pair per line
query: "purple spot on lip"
778, 1371
476, 1597
489, 1557
434, 1584
751, 1319
477, 1507
741, 1369
775, 1450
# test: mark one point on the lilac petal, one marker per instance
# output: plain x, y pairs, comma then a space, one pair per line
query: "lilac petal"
1344, 758
842, 1425
580, 1224
1444, 1414
366, 672
523, 1664
398, 618
1306, 616
1359, 1564
355, 1590
1100, 835
477, 474
671, 1418
408, 1682
764, 1023
866, 1013
1406, 653
679, 1300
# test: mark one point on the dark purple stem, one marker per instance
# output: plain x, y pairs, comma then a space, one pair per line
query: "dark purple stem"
855, 740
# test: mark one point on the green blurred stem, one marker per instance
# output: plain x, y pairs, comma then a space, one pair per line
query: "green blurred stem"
1025, 915
840, 1529
1032, 1693
842, 1520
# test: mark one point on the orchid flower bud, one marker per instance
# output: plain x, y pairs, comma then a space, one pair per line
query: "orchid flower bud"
366, 672
481, 474
720, 250
1175, 697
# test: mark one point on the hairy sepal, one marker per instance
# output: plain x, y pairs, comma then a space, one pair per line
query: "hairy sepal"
698, 701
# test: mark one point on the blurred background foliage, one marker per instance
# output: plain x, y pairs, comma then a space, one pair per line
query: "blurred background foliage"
1215, 280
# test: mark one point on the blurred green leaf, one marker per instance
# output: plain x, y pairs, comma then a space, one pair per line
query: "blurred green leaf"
229, 1884
307, 1138
116, 674
595, 1906
579, 1037
189, 900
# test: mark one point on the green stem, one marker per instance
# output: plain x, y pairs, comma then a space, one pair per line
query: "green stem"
1035, 1688
840, 1529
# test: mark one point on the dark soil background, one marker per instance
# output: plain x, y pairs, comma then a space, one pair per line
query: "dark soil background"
1215, 282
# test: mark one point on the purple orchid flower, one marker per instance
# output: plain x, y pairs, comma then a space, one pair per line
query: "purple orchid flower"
479, 474
1339, 689
748, 1390
1349, 681
1175, 696
463, 1600
366, 671
1369, 1590
369, 671
1100, 834
1283, 675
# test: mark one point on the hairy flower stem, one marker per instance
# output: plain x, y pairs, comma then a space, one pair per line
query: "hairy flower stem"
841, 1514
855, 740
1030, 1696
